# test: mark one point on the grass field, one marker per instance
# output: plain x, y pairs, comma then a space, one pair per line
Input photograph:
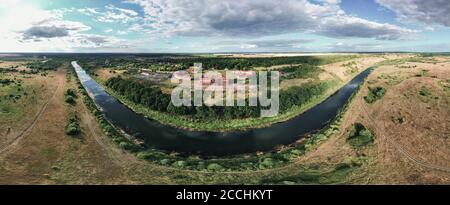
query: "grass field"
18, 99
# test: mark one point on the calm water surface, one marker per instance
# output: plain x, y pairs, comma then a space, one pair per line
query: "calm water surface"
159, 136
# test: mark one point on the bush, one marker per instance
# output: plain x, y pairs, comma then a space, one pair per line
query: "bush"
374, 94
73, 126
215, 167
164, 161
125, 144
151, 155
424, 91
70, 100
180, 164
70, 92
70, 96
267, 163
360, 136
6, 81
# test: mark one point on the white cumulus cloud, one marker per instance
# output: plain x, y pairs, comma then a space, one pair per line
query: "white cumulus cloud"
425, 11
260, 18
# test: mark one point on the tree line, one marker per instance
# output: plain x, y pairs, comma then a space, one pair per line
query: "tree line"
302, 71
51, 64
153, 98
172, 63
301, 95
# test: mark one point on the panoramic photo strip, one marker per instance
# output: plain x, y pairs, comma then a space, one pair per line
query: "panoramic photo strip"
270, 95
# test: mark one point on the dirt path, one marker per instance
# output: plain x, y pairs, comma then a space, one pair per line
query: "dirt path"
118, 155
29, 159
400, 149
10, 145
413, 151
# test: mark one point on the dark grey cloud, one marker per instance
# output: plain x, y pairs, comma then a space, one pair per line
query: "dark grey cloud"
426, 11
52, 27
343, 27
257, 18
250, 18
38, 32
71, 32
237, 18
96, 40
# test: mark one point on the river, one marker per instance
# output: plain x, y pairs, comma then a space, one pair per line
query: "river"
168, 138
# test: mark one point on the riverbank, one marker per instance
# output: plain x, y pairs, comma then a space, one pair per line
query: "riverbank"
162, 137
335, 75
217, 125
277, 158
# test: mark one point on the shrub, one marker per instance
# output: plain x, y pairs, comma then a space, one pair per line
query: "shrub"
215, 167
164, 161
70, 92
180, 164
73, 126
374, 94
267, 163
424, 91
70, 96
142, 155
70, 100
6, 81
359, 136
147, 155
125, 145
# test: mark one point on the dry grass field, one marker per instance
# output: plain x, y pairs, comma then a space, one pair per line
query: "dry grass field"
22, 101
412, 143
18, 65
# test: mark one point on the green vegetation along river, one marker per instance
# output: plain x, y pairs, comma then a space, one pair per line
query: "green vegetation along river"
164, 137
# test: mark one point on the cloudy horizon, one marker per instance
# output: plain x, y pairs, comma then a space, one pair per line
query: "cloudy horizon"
202, 26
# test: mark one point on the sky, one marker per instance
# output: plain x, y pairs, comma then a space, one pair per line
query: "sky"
202, 26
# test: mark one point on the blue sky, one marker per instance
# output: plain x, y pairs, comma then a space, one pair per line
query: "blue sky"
224, 25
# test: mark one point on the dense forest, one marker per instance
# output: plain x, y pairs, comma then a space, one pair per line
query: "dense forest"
299, 96
52, 64
153, 98
245, 63
167, 63
137, 92
302, 71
